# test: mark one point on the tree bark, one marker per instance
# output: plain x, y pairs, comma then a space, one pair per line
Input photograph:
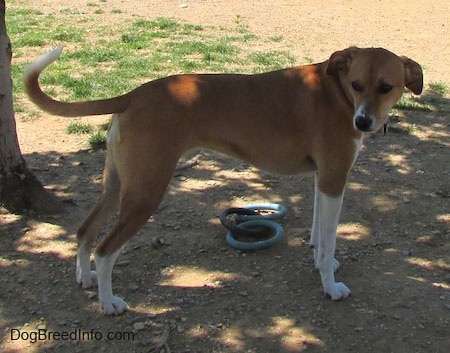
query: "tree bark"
20, 190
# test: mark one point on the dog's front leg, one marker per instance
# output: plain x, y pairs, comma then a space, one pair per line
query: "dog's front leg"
111, 304
314, 240
323, 241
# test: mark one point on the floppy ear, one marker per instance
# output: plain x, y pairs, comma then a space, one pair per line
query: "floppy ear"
341, 60
413, 75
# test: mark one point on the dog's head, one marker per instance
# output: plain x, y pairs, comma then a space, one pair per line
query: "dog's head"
374, 80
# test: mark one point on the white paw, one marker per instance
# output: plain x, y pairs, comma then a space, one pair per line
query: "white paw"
114, 305
86, 281
338, 291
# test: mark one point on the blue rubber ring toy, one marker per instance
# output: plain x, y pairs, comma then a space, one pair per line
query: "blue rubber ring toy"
257, 245
255, 221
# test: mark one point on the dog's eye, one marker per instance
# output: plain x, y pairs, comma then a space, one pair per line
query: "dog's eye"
385, 88
357, 87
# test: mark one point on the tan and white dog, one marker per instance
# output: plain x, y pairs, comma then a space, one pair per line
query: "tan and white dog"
303, 119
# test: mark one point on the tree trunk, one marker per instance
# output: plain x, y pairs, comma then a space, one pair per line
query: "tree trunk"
19, 188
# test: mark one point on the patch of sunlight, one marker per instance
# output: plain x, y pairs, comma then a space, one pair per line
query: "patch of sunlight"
399, 161
353, 231
194, 277
292, 337
9, 219
199, 331
46, 238
257, 185
427, 264
232, 337
383, 203
357, 186
417, 279
248, 174
443, 217
441, 285
295, 199
149, 308
196, 185
25, 338
436, 132
18, 262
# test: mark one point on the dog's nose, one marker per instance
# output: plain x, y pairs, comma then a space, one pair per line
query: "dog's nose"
363, 122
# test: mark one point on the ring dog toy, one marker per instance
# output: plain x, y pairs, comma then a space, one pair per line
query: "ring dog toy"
250, 222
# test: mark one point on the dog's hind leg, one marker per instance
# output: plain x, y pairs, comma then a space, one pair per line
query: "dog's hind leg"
143, 185
99, 215
105, 207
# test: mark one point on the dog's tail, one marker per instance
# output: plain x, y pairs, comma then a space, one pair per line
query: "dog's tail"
37, 96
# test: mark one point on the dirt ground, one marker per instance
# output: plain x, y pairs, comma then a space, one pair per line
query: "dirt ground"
181, 279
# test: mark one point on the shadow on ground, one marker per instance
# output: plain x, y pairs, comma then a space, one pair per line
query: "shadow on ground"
178, 272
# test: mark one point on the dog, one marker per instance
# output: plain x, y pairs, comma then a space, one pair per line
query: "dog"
308, 118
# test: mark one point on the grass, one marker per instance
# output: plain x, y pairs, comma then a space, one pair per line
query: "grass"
104, 61
79, 128
98, 140
109, 61
412, 103
440, 87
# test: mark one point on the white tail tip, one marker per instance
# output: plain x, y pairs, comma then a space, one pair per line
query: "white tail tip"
43, 61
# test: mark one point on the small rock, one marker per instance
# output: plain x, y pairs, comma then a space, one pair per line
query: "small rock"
407, 252
243, 293
158, 242
25, 230
134, 287
139, 326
